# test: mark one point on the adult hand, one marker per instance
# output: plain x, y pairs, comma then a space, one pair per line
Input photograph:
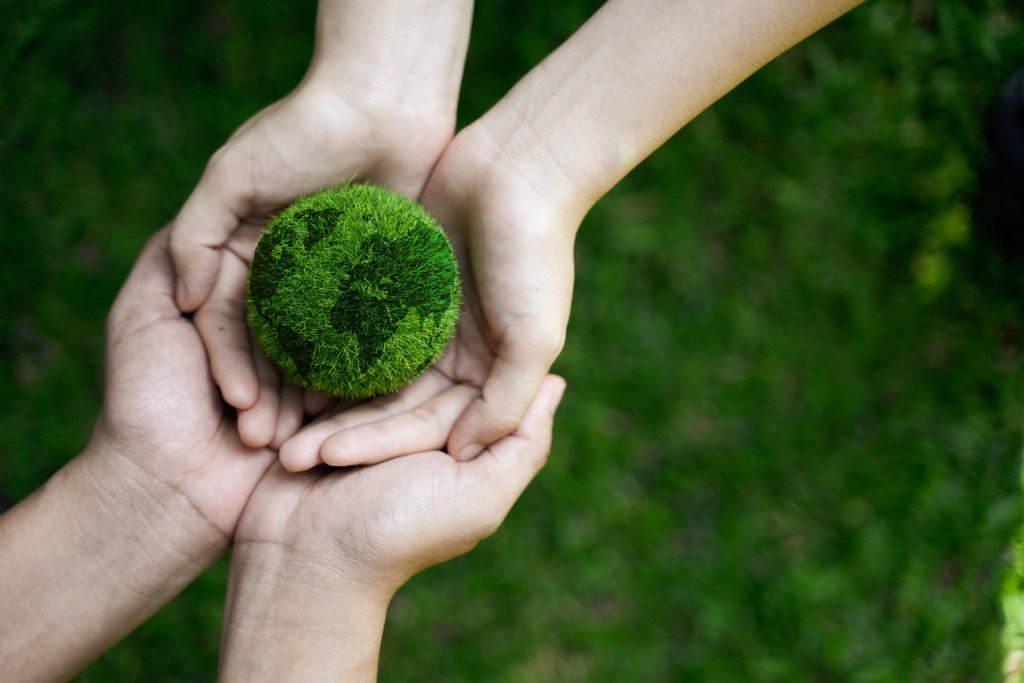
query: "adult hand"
152, 501
319, 554
163, 422
378, 104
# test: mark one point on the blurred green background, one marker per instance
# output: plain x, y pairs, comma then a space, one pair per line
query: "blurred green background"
790, 445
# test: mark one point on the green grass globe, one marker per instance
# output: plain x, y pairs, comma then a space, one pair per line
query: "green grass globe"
354, 291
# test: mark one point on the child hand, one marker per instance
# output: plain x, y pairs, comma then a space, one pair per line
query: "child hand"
313, 139
515, 247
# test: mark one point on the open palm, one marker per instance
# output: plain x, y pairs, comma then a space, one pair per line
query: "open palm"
311, 140
381, 524
162, 414
517, 268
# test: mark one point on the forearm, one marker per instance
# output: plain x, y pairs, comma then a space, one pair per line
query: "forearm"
395, 51
85, 560
632, 76
290, 619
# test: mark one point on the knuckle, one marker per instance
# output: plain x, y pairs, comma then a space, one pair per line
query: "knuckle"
221, 313
427, 418
489, 527
536, 340
552, 343
384, 436
219, 162
206, 317
551, 338
504, 419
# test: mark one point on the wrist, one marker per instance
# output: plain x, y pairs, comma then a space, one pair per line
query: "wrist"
393, 54
90, 547
378, 93
138, 501
293, 617
152, 521
499, 158
545, 133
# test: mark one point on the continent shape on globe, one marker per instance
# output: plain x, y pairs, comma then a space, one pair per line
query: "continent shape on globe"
354, 291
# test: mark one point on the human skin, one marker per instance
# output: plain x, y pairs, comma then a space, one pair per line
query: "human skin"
377, 104
318, 555
164, 486
150, 503
512, 188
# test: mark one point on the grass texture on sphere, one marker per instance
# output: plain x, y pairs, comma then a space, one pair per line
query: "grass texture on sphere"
354, 291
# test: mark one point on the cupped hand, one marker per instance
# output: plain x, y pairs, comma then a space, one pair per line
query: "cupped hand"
375, 527
515, 247
317, 137
163, 425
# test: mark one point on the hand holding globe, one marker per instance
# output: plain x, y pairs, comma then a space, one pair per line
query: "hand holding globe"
354, 291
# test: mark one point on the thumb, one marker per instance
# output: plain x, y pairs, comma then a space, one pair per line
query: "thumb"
507, 394
508, 466
209, 217
148, 293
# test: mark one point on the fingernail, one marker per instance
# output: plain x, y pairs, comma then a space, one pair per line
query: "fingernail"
470, 451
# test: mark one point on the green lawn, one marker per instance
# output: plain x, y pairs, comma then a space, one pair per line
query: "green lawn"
790, 447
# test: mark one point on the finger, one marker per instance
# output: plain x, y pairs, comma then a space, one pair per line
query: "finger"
222, 325
257, 425
148, 293
427, 427
507, 467
408, 398
289, 416
302, 451
507, 393
205, 222
537, 423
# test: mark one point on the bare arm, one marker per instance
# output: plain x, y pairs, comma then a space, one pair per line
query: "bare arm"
289, 617
631, 77
152, 501
85, 560
408, 55
513, 187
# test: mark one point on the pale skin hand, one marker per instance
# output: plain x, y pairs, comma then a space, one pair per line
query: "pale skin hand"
513, 188
378, 104
319, 555
152, 501
505, 336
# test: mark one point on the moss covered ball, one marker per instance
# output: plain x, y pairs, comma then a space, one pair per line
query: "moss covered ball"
353, 292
